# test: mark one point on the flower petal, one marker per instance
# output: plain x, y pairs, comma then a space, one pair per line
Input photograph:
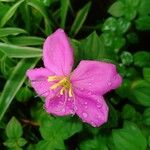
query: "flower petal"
59, 105
58, 53
91, 108
97, 77
39, 81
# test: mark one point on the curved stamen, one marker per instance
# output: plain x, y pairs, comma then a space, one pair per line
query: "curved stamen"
63, 82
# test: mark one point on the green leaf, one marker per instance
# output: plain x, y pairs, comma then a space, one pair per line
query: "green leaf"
110, 25
132, 3
144, 8
146, 117
93, 48
39, 6
58, 129
140, 90
10, 143
14, 129
117, 9
80, 18
143, 23
131, 8
26, 40
128, 112
6, 65
7, 0
21, 142
129, 138
126, 58
16, 80
50, 145
9, 13
63, 11
132, 37
55, 130
20, 52
142, 58
47, 2
146, 74
119, 26
24, 94
26, 15
11, 31
122, 25
90, 47
113, 117
126, 86
149, 141
97, 143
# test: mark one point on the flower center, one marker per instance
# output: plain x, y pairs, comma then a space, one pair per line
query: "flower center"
63, 82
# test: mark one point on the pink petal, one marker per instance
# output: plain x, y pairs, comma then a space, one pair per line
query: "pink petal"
91, 108
58, 53
59, 105
97, 77
39, 81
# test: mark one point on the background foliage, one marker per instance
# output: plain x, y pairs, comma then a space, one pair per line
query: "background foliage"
111, 31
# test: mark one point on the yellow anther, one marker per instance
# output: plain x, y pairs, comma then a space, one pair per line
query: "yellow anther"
54, 86
63, 82
52, 78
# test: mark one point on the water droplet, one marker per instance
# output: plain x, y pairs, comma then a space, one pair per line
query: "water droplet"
82, 89
99, 106
93, 124
75, 108
63, 110
99, 117
84, 115
90, 93
83, 121
109, 83
86, 107
90, 84
73, 113
85, 103
59, 95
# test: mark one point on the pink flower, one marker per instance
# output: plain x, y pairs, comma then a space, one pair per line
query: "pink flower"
73, 92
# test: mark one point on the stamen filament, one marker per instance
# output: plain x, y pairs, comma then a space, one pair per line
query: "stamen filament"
63, 82
62, 91
70, 92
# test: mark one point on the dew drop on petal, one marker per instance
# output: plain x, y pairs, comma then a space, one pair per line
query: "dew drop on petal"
85, 115
60, 102
89, 83
93, 124
82, 89
83, 121
73, 113
109, 83
90, 93
99, 106
85, 103
75, 108
63, 110
99, 117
